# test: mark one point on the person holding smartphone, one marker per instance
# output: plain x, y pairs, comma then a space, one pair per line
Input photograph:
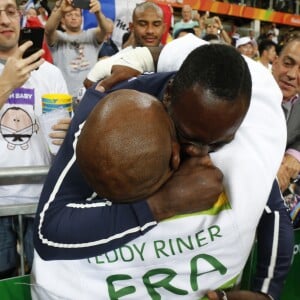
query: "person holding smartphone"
23, 80
75, 51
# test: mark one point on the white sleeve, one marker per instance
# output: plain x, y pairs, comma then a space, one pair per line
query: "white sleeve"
139, 58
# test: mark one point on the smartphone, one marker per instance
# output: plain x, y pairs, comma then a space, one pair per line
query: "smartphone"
36, 35
83, 4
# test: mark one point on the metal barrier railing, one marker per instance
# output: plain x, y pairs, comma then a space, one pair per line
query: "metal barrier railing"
18, 175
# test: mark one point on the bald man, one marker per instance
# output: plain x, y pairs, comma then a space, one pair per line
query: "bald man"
137, 150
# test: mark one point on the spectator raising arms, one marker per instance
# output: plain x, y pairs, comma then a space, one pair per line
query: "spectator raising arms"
75, 51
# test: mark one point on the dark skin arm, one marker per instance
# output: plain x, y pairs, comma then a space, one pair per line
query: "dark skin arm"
118, 74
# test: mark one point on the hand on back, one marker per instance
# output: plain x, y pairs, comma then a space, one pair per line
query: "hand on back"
118, 74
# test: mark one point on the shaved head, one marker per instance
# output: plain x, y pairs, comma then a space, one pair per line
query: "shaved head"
126, 146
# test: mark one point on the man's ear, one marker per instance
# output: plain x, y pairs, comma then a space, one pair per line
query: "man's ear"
130, 26
175, 158
275, 62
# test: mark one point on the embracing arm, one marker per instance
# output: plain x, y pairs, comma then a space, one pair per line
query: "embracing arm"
70, 224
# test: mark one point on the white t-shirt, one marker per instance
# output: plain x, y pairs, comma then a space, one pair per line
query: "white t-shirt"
21, 141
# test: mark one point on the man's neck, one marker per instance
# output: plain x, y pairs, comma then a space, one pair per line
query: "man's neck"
73, 32
264, 61
4, 55
292, 99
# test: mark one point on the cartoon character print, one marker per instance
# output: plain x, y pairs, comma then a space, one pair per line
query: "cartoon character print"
17, 127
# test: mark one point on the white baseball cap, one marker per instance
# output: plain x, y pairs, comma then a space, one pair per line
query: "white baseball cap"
243, 41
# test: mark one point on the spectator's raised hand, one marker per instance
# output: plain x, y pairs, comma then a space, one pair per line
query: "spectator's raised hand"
17, 69
217, 20
66, 5
95, 6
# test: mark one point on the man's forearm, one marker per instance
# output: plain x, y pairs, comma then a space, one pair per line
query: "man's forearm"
5, 91
53, 22
102, 21
103, 24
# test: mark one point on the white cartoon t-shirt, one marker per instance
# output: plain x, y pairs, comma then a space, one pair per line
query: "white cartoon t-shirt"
21, 141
